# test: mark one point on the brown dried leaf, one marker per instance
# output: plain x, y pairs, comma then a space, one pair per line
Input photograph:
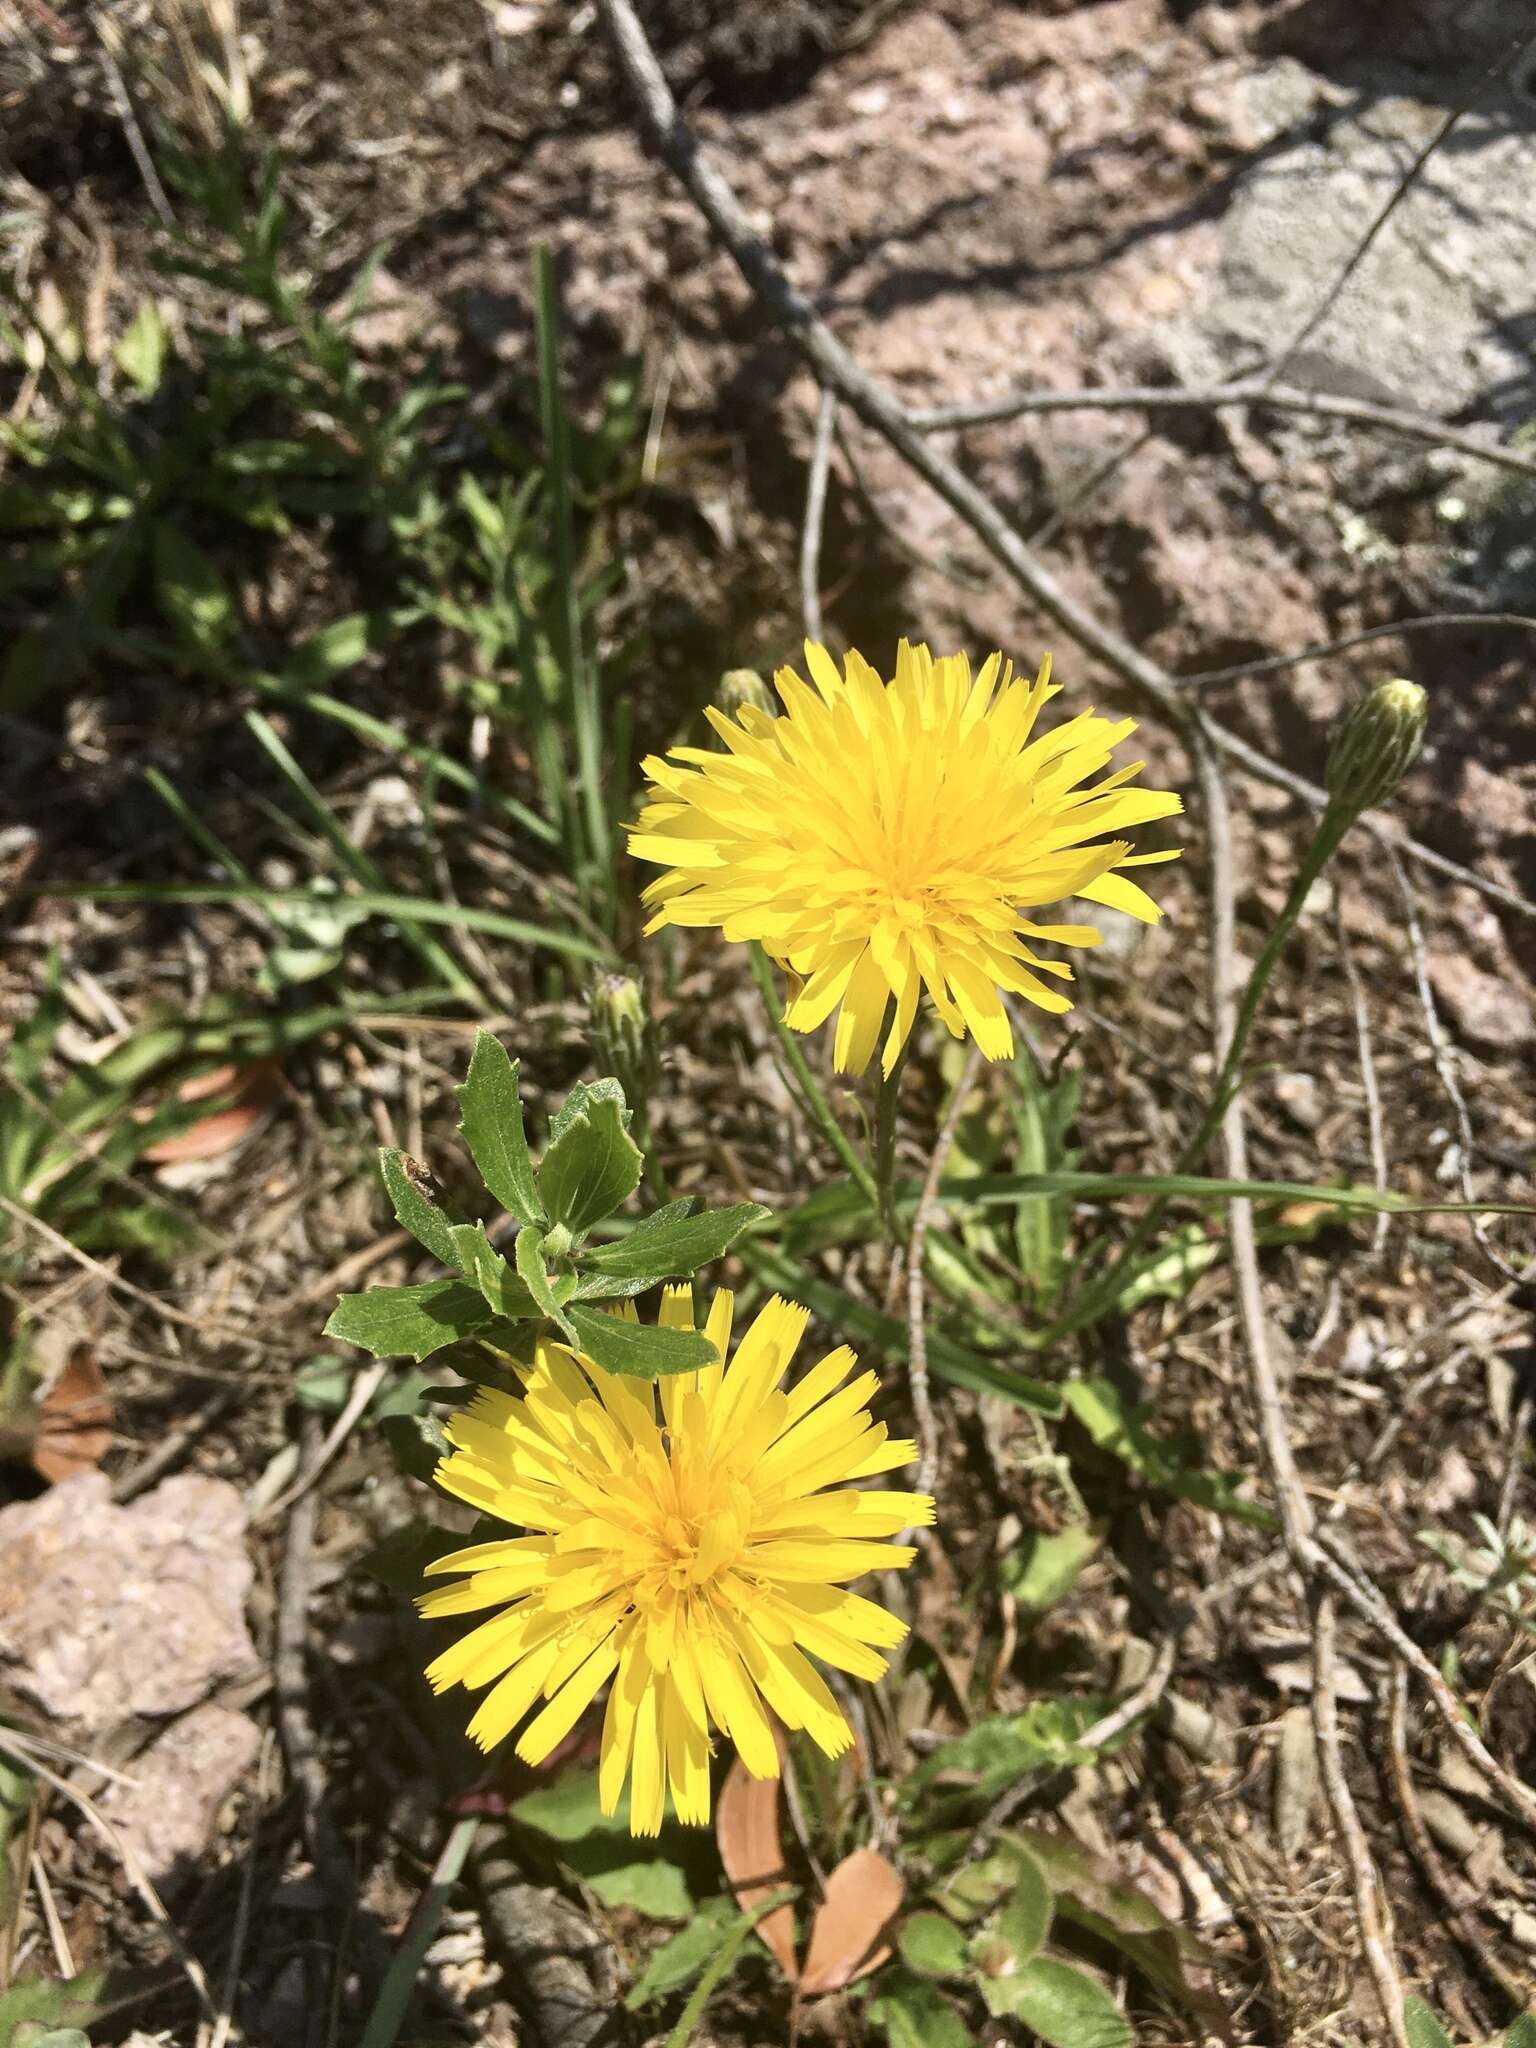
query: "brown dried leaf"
74, 1420
254, 1090
847, 1935
747, 1830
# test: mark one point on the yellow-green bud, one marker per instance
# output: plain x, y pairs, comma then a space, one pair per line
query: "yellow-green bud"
623, 1036
1376, 743
739, 686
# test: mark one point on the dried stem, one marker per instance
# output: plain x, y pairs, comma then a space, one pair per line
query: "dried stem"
1250, 392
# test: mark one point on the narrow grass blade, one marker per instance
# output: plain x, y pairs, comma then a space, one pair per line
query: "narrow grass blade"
842, 1313
581, 679
394, 741
416, 909
357, 864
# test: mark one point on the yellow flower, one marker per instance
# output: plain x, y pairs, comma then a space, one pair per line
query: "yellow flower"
881, 838
691, 1560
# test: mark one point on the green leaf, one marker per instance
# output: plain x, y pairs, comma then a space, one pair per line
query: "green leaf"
1063, 2005
1163, 1462
492, 1124
591, 1168
1523, 2033
484, 1267
999, 1751
417, 1442
47, 2003
1423, 2029
324, 1383
1045, 1568
1171, 1271
679, 1960
601, 1850
141, 352
915, 2014
336, 648
416, 1198
400, 1562
933, 1946
640, 1350
1026, 1920
529, 1253
409, 1322
673, 1248
191, 591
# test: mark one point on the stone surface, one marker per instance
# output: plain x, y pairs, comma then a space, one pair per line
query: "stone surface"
167, 1813
107, 1612
1438, 312
1483, 1009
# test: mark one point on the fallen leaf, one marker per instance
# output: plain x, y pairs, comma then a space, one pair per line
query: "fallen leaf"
253, 1090
848, 1933
747, 1830
74, 1420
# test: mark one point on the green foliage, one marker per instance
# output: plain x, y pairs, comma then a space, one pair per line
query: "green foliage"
647, 1876
590, 1168
678, 1961
1000, 1751
1166, 1463
149, 488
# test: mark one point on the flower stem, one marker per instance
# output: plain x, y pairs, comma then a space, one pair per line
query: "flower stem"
885, 1147
813, 1099
1100, 1295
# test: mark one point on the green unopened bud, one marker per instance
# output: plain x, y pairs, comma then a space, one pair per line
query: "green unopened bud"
1376, 743
623, 1036
739, 686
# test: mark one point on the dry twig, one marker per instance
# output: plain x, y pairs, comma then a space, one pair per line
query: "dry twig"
1250, 391
815, 513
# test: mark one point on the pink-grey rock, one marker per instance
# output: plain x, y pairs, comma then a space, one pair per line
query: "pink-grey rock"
107, 1612
168, 1810
1485, 1010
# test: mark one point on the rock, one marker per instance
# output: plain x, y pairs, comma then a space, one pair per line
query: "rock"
1301, 1099
167, 1813
1432, 316
1486, 1011
107, 1612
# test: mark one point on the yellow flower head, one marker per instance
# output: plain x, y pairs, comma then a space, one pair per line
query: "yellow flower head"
881, 838
691, 1559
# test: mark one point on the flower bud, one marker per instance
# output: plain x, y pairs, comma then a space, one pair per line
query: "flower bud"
1376, 743
740, 686
623, 1037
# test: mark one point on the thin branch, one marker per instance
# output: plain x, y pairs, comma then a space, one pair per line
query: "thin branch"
1444, 1057
815, 514
1455, 1895
917, 1328
1251, 391
1324, 650
364, 1387
1325, 1555
876, 405
1371, 1909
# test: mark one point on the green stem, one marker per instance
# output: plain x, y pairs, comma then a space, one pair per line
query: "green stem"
1097, 1297
885, 1146
815, 1102
721, 1965
389, 2008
